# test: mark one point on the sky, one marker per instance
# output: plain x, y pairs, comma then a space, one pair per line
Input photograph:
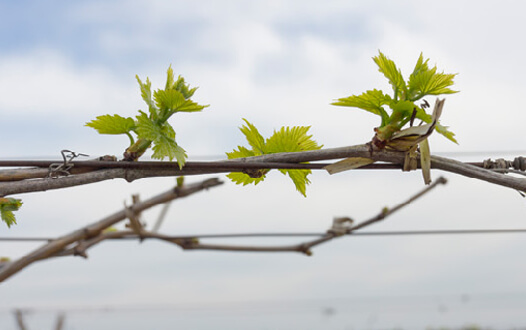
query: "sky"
275, 63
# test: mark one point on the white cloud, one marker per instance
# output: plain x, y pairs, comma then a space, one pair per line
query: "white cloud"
47, 82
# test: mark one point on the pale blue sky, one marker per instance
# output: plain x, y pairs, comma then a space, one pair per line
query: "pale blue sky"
62, 63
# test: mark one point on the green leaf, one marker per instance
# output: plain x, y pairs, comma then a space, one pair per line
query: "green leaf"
422, 115
107, 124
287, 139
299, 178
432, 83
168, 99
163, 138
242, 152
254, 138
165, 147
291, 140
146, 128
420, 67
146, 94
371, 101
424, 81
170, 82
392, 73
444, 131
190, 106
7, 207
184, 88
174, 101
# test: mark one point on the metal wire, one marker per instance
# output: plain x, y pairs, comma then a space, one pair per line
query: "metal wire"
251, 235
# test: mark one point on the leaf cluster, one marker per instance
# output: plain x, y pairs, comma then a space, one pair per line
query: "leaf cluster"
153, 126
7, 207
287, 139
423, 81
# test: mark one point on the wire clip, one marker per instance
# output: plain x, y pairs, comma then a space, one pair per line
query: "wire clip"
62, 169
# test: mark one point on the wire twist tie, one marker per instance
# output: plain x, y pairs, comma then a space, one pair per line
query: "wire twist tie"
62, 169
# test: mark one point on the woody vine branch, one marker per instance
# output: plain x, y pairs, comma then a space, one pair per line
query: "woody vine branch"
78, 242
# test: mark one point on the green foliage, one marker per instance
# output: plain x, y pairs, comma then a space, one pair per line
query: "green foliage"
422, 82
153, 127
7, 207
425, 81
392, 73
107, 124
287, 139
372, 101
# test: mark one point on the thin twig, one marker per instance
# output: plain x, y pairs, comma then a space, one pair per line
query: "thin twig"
93, 230
193, 243
388, 211
382, 215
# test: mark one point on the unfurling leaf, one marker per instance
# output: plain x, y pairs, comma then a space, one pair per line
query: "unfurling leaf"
107, 124
287, 139
7, 207
445, 132
146, 94
403, 104
179, 85
424, 81
392, 73
254, 138
372, 101
172, 101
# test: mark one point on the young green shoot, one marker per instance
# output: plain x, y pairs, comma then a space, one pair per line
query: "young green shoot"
152, 127
287, 139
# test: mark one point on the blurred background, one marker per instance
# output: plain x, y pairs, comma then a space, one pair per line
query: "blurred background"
275, 63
